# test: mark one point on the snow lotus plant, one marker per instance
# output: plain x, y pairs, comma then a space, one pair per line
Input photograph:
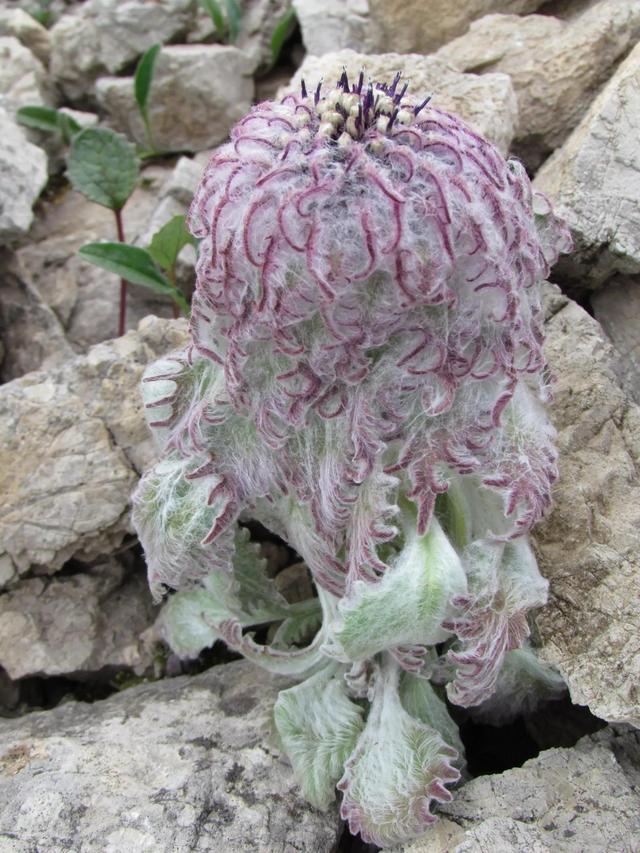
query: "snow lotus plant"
365, 377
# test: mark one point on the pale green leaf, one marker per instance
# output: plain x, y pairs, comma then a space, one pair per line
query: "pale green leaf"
319, 726
103, 166
420, 700
398, 768
408, 604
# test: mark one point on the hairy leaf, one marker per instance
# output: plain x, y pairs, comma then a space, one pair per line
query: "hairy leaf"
319, 726
398, 768
408, 604
420, 700
504, 584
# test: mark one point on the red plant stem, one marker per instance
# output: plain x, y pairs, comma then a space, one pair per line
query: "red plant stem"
123, 284
174, 304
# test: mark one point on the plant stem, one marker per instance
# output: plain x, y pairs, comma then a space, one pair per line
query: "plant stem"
123, 284
172, 278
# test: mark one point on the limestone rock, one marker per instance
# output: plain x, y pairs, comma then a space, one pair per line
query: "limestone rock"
556, 66
104, 36
198, 94
617, 308
30, 331
23, 174
76, 624
580, 800
594, 181
182, 764
384, 26
85, 297
72, 442
30, 33
487, 103
257, 24
23, 79
589, 545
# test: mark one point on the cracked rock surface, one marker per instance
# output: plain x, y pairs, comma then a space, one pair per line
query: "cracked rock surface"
72, 443
556, 66
76, 624
589, 545
594, 181
179, 765
580, 800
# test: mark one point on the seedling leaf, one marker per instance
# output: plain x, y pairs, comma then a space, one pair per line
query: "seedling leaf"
103, 166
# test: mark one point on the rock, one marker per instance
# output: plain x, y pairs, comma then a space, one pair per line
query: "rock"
257, 24
488, 103
30, 331
617, 308
295, 583
199, 92
84, 297
20, 25
72, 443
183, 181
23, 79
181, 764
104, 36
385, 26
556, 66
75, 625
589, 545
594, 181
580, 800
23, 174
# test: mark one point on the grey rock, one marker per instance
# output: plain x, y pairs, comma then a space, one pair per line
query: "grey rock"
487, 103
30, 33
581, 800
31, 333
23, 79
23, 174
180, 765
295, 583
589, 545
198, 94
257, 24
72, 442
556, 66
594, 181
616, 306
183, 181
386, 26
103, 36
75, 625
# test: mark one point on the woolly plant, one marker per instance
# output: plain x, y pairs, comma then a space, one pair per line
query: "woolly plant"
365, 377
